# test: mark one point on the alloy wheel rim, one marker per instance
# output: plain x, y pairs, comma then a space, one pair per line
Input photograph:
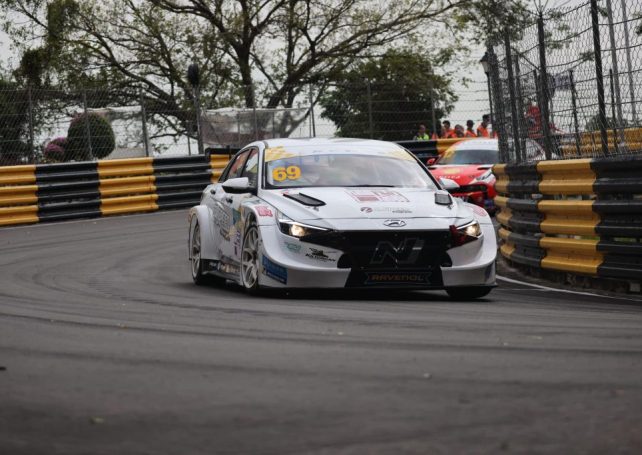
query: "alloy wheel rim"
196, 251
250, 262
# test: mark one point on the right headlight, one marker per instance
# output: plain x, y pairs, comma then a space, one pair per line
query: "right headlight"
466, 233
296, 229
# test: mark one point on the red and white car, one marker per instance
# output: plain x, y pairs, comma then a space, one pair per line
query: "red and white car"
469, 164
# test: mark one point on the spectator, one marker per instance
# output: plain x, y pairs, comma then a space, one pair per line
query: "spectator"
459, 131
447, 132
422, 135
482, 129
470, 132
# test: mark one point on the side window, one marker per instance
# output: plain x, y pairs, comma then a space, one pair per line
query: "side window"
235, 167
251, 170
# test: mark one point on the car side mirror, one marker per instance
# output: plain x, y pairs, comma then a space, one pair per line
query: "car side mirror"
430, 161
448, 184
238, 185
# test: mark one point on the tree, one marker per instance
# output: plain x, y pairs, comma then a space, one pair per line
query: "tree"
403, 88
89, 136
14, 124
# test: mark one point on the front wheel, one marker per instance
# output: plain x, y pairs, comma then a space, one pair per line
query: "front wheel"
468, 293
250, 259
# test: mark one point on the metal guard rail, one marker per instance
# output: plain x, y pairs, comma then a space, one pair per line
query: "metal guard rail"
581, 216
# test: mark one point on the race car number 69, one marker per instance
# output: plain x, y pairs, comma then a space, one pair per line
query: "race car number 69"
286, 173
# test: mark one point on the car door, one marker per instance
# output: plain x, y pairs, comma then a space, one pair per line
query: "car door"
221, 205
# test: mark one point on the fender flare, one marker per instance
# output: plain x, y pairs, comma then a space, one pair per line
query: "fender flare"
202, 214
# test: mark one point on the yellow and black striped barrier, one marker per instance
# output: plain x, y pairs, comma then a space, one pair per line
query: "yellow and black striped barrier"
582, 216
50, 192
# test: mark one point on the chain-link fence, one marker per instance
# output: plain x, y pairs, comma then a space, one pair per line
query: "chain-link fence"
570, 87
47, 126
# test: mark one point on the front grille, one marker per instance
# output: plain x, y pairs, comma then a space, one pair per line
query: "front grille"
390, 257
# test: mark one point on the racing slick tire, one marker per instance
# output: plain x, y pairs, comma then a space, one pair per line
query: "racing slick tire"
250, 258
198, 275
468, 293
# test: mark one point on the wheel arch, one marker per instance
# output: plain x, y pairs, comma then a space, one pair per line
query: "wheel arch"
202, 214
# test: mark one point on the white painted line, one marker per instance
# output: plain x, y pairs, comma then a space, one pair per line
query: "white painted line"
566, 291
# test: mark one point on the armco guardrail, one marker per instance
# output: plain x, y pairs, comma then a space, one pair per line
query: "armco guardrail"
48, 192
581, 216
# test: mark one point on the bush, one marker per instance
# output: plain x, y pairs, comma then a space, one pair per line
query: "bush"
55, 150
101, 136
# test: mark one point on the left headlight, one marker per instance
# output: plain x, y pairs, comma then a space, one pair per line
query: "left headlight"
466, 233
486, 177
295, 229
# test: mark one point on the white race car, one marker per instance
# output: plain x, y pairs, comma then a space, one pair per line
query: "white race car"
338, 213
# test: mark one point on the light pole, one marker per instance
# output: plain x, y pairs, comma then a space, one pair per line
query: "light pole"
486, 65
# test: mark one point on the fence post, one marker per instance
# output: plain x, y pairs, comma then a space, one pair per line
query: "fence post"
256, 121
614, 64
627, 46
432, 104
513, 100
199, 127
574, 107
312, 123
87, 129
238, 129
616, 146
597, 51
520, 106
32, 152
369, 92
546, 118
496, 93
143, 114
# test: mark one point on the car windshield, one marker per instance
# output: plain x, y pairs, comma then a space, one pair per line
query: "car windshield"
394, 168
470, 156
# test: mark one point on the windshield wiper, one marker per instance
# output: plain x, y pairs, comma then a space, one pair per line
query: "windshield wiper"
369, 186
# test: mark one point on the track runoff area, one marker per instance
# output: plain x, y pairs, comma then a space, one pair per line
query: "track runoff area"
106, 346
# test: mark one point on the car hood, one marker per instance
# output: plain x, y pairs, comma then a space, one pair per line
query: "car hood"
365, 204
463, 174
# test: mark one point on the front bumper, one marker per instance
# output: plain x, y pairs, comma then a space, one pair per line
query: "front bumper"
290, 263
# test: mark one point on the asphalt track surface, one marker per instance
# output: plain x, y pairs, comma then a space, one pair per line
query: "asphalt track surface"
108, 348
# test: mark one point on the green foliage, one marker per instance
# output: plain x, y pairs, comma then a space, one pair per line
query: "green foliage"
14, 124
400, 83
89, 136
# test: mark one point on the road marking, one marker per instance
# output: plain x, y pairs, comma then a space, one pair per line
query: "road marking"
566, 291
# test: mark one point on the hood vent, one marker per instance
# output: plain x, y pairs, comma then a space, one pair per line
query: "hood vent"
304, 199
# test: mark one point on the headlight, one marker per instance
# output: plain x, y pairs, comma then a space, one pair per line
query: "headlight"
466, 233
298, 230
486, 177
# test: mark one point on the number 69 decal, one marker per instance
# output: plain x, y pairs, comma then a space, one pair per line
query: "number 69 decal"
286, 173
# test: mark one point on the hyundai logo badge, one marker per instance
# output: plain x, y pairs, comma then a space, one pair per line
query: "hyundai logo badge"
394, 223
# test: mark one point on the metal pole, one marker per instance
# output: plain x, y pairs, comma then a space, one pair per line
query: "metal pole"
499, 107
520, 106
546, 119
199, 130
87, 129
616, 71
256, 121
432, 106
574, 106
312, 122
30, 100
238, 128
627, 47
143, 114
597, 50
490, 102
369, 93
513, 100
611, 84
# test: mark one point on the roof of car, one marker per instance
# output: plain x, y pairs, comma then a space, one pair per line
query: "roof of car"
477, 144
333, 142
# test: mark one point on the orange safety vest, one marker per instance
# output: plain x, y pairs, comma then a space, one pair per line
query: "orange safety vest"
470, 133
449, 134
482, 132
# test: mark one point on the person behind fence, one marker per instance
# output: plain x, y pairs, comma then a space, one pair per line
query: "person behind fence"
470, 131
459, 131
447, 132
422, 134
482, 129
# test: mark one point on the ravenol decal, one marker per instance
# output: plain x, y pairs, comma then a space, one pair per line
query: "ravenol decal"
398, 278
406, 253
275, 271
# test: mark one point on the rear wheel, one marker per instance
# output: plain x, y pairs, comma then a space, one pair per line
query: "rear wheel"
250, 258
468, 293
196, 261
